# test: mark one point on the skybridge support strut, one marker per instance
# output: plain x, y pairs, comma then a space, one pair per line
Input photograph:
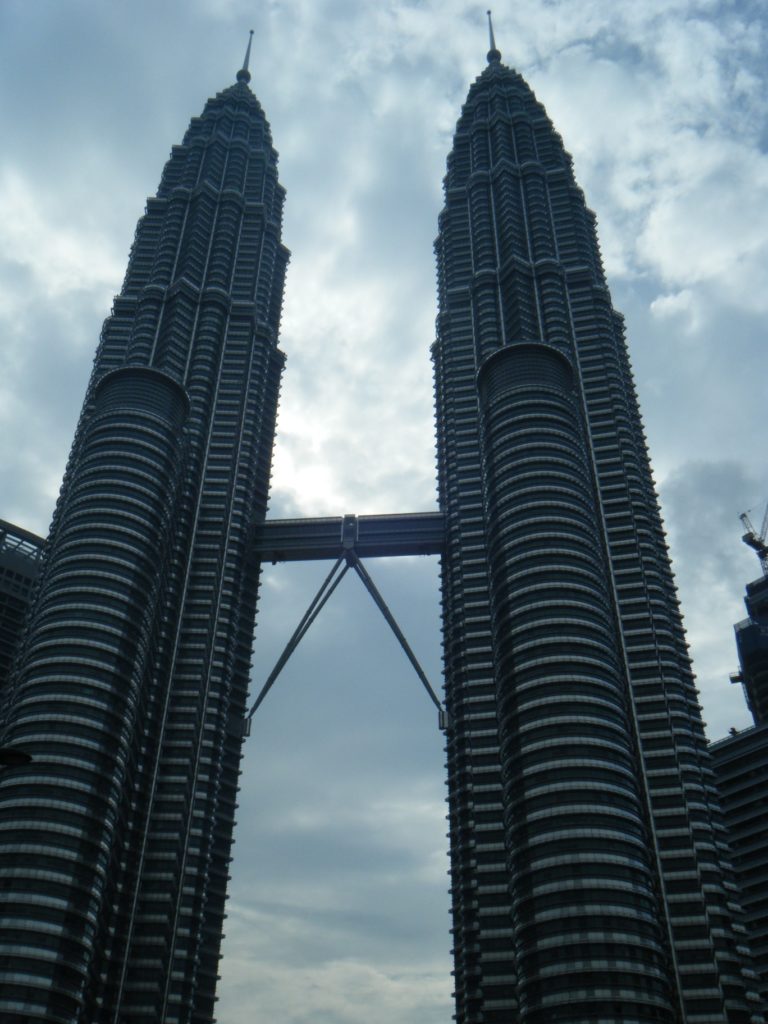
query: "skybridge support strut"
299, 539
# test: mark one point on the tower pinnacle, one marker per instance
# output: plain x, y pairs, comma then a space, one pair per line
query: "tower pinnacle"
244, 75
494, 55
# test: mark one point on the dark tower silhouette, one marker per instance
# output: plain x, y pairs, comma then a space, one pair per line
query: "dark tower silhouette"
130, 690
752, 647
585, 829
20, 553
741, 770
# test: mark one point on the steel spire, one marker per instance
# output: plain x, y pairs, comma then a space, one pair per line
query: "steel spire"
244, 75
493, 54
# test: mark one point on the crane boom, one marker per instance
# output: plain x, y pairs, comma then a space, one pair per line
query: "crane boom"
746, 522
756, 540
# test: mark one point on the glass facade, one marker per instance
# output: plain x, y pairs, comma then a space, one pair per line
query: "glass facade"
588, 876
131, 681
741, 768
20, 553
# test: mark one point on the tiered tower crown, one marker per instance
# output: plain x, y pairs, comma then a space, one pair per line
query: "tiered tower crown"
133, 679
578, 755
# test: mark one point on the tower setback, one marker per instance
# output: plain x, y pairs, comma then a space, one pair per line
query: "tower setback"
588, 878
131, 685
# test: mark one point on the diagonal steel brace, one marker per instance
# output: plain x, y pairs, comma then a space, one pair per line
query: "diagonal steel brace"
351, 560
381, 604
327, 587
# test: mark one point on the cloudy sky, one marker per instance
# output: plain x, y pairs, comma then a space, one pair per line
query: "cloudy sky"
339, 905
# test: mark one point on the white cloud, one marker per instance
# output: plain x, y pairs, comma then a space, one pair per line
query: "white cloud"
60, 256
714, 231
681, 305
343, 991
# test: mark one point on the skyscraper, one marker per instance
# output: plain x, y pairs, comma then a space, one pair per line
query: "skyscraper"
131, 685
741, 770
587, 873
19, 565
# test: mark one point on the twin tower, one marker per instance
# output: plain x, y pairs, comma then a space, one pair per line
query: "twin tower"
588, 876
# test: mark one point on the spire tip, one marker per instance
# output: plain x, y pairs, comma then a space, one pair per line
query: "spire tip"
494, 56
244, 75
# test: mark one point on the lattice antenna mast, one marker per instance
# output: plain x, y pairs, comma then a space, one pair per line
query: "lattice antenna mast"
756, 540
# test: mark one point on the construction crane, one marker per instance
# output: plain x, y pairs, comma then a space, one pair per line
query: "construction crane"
756, 540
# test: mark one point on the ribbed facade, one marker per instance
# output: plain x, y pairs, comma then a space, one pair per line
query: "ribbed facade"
586, 837
752, 647
20, 553
131, 683
741, 770
741, 767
